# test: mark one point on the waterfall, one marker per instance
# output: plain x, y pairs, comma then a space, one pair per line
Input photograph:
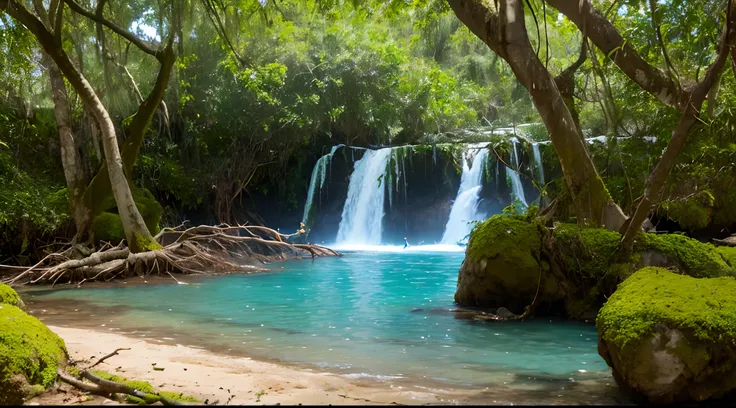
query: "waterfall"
362, 216
318, 172
538, 163
516, 188
465, 207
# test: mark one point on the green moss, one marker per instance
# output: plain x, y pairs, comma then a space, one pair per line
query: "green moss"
178, 396
704, 307
504, 234
143, 244
149, 208
108, 227
10, 297
30, 354
143, 386
728, 254
697, 259
589, 252
594, 197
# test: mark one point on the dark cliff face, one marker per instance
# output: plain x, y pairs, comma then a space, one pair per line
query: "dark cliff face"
421, 196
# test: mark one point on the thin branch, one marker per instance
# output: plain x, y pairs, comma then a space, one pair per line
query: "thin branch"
657, 29
143, 45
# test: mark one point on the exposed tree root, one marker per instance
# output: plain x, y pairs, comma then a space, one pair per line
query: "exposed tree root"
201, 250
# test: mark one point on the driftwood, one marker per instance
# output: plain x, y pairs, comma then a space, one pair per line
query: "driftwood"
728, 241
201, 250
106, 388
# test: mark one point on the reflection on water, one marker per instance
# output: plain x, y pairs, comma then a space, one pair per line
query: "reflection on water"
382, 315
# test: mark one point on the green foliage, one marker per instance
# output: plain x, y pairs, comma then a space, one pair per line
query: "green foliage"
703, 307
31, 203
29, 355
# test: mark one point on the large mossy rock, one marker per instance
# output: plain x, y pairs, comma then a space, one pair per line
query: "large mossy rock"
575, 268
30, 353
503, 266
671, 338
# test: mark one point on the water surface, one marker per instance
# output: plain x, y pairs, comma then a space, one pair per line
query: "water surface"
380, 314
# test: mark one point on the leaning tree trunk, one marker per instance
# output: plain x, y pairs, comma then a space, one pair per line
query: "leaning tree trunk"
70, 158
135, 133
503, 30
138, 236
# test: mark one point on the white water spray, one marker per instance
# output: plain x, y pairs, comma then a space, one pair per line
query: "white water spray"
516, 187
362, 215
538, 164
465, 207
318, 172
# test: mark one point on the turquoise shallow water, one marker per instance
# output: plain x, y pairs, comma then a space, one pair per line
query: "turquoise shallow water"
384, 315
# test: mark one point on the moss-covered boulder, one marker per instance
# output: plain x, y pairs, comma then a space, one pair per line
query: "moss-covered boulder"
30, 353
669, 337
575, 268
10, 297
107, 225
503, 266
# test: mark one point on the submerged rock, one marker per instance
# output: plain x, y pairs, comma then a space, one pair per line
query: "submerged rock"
671, 338
30, 353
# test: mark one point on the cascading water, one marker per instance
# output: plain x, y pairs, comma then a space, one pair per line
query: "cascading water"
465, 207
362, 216
538, 163
517, 189
318, 172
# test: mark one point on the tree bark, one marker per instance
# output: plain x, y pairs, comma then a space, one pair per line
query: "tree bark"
136, 232
607, 38
70, 158
503, 30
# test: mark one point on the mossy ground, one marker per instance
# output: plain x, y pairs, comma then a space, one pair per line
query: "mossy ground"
704, 307
30, 353
143, 386
10, 297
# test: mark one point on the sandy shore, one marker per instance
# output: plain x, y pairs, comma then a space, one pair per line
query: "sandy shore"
231, 380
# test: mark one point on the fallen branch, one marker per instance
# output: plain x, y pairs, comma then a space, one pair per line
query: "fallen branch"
114, 353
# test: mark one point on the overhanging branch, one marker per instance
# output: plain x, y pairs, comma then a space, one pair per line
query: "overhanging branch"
607, 38
144, 46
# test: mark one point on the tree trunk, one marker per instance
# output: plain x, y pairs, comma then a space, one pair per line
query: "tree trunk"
136, 232
100, 185
70, 158
690, 117
504, 31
